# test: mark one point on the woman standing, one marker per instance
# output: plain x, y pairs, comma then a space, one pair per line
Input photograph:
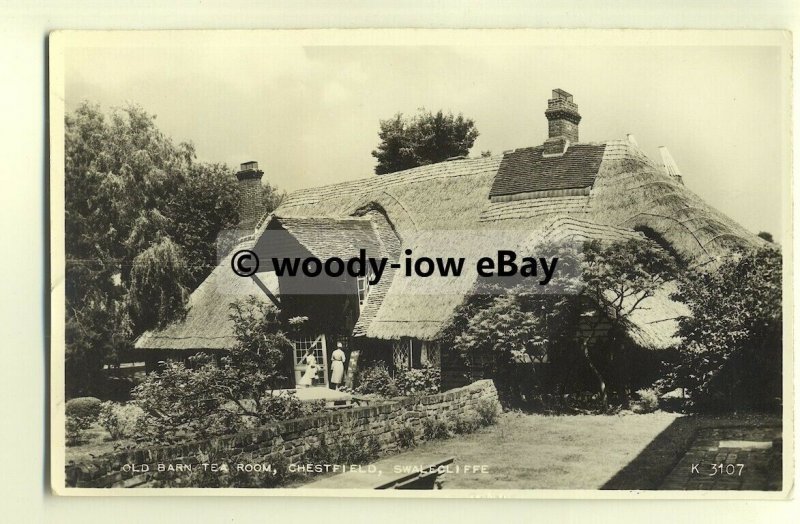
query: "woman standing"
337, 366
311, 369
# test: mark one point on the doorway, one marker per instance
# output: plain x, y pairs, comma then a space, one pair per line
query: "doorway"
319, 346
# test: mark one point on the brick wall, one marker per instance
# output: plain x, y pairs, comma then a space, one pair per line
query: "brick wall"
562, 127
251, 206
290, 439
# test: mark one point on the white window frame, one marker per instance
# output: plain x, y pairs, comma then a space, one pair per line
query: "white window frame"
300, 345
362, 286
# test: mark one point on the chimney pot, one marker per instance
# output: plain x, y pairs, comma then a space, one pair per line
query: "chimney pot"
249, 166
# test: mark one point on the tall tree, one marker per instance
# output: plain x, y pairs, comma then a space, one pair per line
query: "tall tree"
425, 138
733, 336
142, 218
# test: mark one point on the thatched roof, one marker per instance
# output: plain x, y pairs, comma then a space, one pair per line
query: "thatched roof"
207, 324
445, 209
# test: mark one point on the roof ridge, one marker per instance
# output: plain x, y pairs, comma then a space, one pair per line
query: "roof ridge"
338, 218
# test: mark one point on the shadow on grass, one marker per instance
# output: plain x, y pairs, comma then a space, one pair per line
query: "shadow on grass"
649, 469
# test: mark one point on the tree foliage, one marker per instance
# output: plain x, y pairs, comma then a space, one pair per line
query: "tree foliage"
237, 391
582, 320
619, 279
765, 235
142, 216
734, 333
425, 138
157, 292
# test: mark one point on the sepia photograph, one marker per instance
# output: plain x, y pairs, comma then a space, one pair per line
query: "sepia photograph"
455, 263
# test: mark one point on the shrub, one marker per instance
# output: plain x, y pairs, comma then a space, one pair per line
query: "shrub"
406, 437
158, 427
648, 401
434, 429
75, 428
423, 381
464, 424
87, 408
120, 420
376, 379
488, 411
287, 407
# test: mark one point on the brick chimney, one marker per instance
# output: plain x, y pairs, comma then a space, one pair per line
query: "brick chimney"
562, 116
251, 206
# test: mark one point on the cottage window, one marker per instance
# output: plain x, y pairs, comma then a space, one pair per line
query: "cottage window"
402, 353
363, 288
410, 353
429, 354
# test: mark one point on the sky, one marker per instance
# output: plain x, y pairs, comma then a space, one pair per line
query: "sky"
309, 115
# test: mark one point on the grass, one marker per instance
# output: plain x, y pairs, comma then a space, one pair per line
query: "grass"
552, 452
96, 441
524, 451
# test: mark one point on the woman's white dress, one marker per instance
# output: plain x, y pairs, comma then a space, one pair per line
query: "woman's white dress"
311, 371
337, 366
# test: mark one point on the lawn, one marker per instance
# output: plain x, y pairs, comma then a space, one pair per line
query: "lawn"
526, 451
96, 441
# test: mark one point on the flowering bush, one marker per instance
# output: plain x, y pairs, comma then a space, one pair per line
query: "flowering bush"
648, 401
421, 381
75, 428
80, 413
208, 398
120, 420
377, 379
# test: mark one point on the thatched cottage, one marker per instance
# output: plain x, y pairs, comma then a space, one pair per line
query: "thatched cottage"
560, 189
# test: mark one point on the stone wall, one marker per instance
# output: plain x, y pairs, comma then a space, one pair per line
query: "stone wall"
288, 440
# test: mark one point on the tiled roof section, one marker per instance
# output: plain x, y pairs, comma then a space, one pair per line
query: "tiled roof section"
328, 237
525, 170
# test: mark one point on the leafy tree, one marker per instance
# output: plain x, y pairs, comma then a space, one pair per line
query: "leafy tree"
423, 139
593, 296
766, 236
508, 323
209, 397
619, 278
271, 197
142, 219
734, 333
504, 334
157, 292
